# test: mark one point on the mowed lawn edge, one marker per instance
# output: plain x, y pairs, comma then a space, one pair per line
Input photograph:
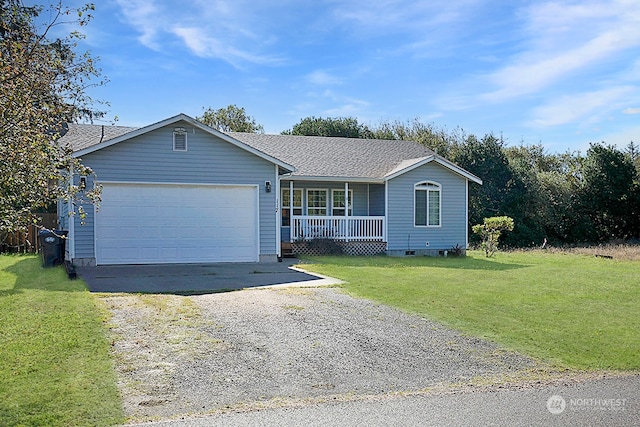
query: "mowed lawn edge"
573, 311
55, 366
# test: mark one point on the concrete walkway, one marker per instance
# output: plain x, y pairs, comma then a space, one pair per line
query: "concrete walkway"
193, 279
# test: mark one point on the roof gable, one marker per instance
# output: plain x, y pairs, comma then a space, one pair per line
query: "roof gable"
123, 134
411, 164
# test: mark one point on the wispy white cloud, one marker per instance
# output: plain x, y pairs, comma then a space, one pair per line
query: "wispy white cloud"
402, 28
329, 103
343, 105
631, 111
323, 78
350, 108
622, 137
209, 29
143, 15
564, 39
207, 46
573, 108
398, 16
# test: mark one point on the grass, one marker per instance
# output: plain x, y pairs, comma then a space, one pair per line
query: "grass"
572, 310
55, 368
619, 252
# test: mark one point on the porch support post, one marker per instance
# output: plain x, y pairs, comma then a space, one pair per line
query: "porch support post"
346, 211
279, 204
291, 211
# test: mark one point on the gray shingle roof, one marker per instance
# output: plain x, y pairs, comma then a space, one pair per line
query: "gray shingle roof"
335, 157
81, 136
313, 156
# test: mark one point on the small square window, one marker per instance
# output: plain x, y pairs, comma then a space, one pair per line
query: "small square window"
179, 140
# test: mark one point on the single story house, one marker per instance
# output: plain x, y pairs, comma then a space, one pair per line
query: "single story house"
178, 191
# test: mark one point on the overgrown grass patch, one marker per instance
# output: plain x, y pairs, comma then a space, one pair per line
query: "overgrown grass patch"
572, 310
55, 368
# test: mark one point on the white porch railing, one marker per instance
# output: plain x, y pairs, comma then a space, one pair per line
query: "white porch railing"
337, 227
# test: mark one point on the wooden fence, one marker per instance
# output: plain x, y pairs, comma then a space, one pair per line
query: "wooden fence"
28, 242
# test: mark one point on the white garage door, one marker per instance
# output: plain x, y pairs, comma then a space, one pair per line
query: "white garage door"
161, 223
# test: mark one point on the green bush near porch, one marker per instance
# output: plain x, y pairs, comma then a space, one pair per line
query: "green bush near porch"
55, 368
571, 310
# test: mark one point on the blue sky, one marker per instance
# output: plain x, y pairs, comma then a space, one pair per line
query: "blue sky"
560, 73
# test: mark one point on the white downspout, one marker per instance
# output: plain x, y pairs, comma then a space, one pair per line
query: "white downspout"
291, 211
466, 217
386, 213
278, 216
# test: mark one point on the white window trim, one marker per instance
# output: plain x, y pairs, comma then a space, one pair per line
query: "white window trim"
293, 203
326, 207
285, 201
350, 208
290, 204
184, 133
416, 188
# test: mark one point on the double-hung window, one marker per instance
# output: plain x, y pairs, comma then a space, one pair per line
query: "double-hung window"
427, 204
338, 203
286, 205
317, 202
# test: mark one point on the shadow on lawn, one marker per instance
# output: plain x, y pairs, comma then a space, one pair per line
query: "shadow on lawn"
461, 263
29, 274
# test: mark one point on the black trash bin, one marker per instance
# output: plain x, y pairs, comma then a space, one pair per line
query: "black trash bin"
52, 247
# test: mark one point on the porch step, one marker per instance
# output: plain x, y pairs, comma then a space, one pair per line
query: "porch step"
287, 250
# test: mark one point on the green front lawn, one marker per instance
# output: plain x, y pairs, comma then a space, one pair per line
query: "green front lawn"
572, 310
55, 368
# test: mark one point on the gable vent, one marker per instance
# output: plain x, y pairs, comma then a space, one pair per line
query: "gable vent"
179, 139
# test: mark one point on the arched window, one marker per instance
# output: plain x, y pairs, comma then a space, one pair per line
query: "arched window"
427, 204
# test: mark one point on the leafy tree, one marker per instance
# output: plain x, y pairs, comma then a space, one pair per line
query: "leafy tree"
346, 127
633, 151
486, 158
490, 230
230, 119
608, 193
545, 201
439, 140
42, 87
557, 207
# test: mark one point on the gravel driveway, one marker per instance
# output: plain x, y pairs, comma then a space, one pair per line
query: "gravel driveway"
185, 355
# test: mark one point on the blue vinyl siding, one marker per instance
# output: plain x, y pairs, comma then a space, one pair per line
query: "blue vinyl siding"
83, 229
403, 234
150, 158
376, 200
63, 215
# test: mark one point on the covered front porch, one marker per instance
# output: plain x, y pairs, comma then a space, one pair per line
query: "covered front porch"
347, 228
342, 212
